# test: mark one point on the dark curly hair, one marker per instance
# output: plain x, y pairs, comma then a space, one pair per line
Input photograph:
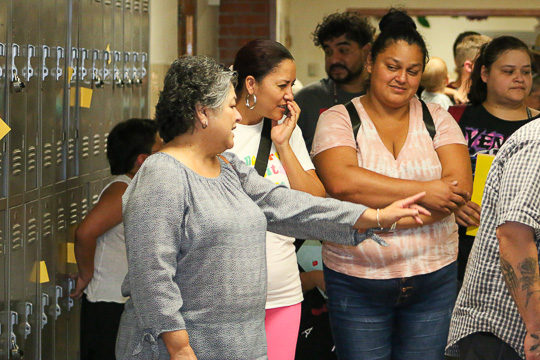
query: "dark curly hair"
127, 140
488, 54
258, 58
349, 23
190, 81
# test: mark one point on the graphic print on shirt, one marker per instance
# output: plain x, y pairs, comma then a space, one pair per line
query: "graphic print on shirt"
274, 168
480, 141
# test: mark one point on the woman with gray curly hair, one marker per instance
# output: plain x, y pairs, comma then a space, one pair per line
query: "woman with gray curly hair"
195, 224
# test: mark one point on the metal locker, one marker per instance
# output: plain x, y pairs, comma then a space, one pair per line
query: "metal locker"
30, 72
4, 251
49, 76
128, 61
61, 274
108, 78
135, 59
97, 113
73, 306
88, 123
49, 310
3, 92
118, 61
144, 58
16, 101
17, 309
35, 272
74, 57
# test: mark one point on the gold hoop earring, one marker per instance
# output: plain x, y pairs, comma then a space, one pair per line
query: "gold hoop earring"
254, 102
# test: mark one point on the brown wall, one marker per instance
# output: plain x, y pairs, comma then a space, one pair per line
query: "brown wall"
241, 21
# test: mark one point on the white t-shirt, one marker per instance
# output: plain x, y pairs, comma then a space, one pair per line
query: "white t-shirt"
284, 288
110, 261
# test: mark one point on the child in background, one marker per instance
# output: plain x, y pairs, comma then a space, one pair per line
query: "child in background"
100, 247
434, 81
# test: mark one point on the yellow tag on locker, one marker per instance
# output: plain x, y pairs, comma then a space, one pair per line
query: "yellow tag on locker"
71, 253
108, 48
43, 273
70, 73
4, 129
483, 164
85, 97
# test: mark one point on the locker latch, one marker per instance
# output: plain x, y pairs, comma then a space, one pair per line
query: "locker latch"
44, 302
58, 309
59, 55
16, 353
46, 52
71, 287
18, 85
28, 71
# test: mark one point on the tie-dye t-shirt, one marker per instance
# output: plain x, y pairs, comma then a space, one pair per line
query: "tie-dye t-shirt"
412, 251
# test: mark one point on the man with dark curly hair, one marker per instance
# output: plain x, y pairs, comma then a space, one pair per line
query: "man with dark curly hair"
346, 40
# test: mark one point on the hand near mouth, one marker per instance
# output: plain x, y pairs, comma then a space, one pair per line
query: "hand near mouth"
281, 133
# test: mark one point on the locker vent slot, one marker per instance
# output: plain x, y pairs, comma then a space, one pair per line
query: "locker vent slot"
47, 155
85, 147
97, 144
73, 213
31, 158
61, 219
32, 231
47, 224
16, 237
16, 162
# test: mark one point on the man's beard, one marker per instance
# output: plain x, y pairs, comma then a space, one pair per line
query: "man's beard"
348, 78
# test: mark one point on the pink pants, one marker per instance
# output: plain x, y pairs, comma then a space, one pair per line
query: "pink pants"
282, 325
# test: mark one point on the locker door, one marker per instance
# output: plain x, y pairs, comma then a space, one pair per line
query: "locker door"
60, 56
88, 123
3, 93
48, 53
145, 61
75, 60
61, 273
29, 309
97, 112
128, 60
73, 307
135, 59
108, 78
118, 61
17, 100
31, 71
49, 309
4, 250
18, 275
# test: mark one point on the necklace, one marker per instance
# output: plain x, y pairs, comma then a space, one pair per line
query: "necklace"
529, 115
335, 93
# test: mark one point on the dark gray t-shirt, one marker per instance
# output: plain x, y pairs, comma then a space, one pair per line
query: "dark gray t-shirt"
315, 98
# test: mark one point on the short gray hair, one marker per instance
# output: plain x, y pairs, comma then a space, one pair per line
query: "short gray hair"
191, 81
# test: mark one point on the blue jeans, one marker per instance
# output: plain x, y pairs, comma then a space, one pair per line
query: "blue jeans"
398, 319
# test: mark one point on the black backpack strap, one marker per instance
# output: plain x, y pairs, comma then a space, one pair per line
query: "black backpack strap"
355, 118
264, 148
428, 120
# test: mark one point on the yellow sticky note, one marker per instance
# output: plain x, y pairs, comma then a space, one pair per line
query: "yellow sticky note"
43, 273
483, 164
71, 253
4, 129
70, 73
108, 48
85, 97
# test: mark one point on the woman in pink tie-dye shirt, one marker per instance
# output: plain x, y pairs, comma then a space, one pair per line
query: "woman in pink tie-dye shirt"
394, 302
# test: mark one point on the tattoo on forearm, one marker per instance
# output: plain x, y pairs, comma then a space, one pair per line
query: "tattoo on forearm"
509, 276
529, 269
535, 346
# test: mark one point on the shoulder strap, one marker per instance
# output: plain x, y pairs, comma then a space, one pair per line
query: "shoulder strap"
457, 111
261, 161
224, 159
428, 120
355, 118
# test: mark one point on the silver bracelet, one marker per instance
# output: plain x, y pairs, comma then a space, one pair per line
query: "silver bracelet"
392, 228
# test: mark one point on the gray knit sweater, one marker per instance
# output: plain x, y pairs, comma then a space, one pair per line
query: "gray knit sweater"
196, 255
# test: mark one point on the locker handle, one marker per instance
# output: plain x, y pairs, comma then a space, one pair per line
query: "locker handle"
59, 55
14, 53
58, 309
44, 302
117, 56
144, 57
71, 286
83, 56
14, 320
46, 53
28, 71
2, 49
28, 310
